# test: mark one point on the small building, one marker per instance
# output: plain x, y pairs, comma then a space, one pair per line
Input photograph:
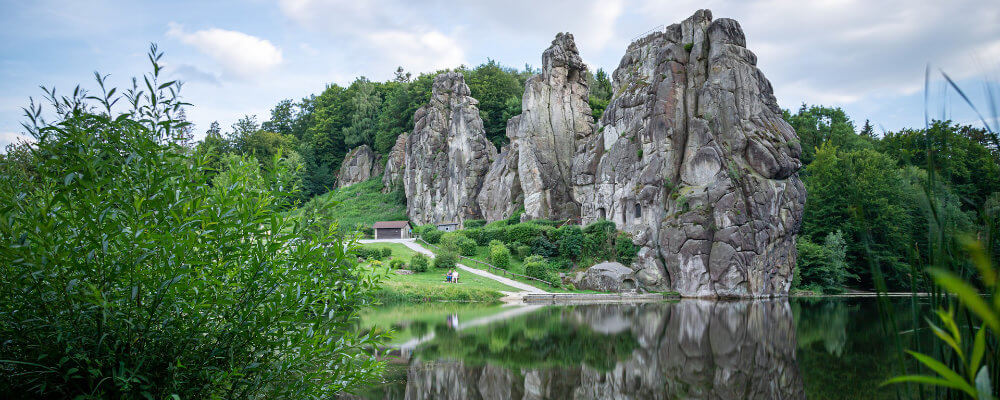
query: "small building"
448, 227
392, 230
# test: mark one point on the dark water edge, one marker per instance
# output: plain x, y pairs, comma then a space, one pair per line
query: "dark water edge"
815, 348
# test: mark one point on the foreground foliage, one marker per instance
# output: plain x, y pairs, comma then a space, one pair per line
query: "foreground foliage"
133, 271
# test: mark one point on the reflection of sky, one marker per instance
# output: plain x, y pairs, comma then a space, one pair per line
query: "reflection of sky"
243, 57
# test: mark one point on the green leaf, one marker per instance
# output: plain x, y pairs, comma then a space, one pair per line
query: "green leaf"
929, 380
969, 296
978, 350
945, 372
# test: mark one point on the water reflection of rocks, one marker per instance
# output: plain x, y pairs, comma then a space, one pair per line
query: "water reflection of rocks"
691, 349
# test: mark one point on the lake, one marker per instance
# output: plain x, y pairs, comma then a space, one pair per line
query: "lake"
831, 348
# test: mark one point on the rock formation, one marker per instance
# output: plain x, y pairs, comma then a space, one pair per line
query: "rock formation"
360, 164
501, 195
693, 158
554, 113
693, 349
392, 176
447, 156
606, 277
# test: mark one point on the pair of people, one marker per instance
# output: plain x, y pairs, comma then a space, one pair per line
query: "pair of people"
451, 276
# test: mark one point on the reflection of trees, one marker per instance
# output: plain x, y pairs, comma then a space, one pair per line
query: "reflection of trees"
823, 321
690, 349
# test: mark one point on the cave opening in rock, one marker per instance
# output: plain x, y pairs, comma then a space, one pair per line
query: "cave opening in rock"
624, 214
638, 210
602, 213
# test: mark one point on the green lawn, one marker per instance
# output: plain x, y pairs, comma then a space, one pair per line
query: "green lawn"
430, 286
358, 205
483, 254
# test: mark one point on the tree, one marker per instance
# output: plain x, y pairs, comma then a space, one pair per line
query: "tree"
494, 86
282, 119
816, 125
365, 104
868, 131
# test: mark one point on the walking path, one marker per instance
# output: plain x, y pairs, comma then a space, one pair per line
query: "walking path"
413, 245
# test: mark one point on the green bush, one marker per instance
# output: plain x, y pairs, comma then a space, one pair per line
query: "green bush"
445, 260
536, 267
475, 234
432, 236
422, 229
130, 272
500, 255
449, 241
543, 247
419, 263
523, 251
570, 241
490, 234
384, 253
474, 223
624, 248
466, 246
524, 233
397, 264
599, 240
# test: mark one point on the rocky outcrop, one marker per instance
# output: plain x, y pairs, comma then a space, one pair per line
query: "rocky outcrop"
392, 176
539, 160
693, 158
606, 277
692, 349
501, 194
447, 155
360, 164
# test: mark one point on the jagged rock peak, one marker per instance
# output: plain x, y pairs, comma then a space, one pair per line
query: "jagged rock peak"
693, 159
447, 155
562, 54
359, 165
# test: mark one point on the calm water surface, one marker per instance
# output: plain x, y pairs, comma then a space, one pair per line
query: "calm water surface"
778, 349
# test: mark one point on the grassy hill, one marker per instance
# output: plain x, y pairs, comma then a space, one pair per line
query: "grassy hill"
358, 205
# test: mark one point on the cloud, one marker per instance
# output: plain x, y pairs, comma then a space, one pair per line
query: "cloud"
421, 51
191, 73
240, 55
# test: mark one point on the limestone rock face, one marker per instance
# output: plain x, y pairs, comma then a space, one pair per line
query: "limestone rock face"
447, 155
554, 114
392, 176
607, 277
358, 166
501, 194
693, 159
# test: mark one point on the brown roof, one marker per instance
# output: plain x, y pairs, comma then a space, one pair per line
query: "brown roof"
392, 224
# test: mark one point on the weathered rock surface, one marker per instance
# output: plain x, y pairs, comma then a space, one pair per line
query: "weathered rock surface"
607, 277
554, 113
447, 155
693, 158
392, 176
693, 349
501, 194
359, 165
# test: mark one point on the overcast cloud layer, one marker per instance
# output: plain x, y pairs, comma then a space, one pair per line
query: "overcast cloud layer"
237, 58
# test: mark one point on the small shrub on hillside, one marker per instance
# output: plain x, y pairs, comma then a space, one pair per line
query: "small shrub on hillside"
561, 264
570, 241
523, 251
515, 218
523, 233
490, 234
500, 255
366, 253
445, 260
625, 249
419, 263
543, 247
466, 246
536, 267
422, 229
599, 240
474, 223
384, 252
496, 243
397, 264
432, 236
475, 234
449, 241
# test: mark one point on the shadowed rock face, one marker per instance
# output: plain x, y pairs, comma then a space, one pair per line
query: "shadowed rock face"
692, 349
360, 165
693, 158
447, 156
501, 195
392, 176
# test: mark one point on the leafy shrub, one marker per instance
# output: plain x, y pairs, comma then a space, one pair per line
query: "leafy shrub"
432, 236
474, 223
536, 267
368, 231
419, 263
599, 240
114, 287
466, 246
570, 241
500, 255
523, 233
523, 251
445, 260
384, 253
496, 243
475, 234
543, 247
490, 234
449, 241
624, 248
397, 264
822, 268
422, 229
514, 218
561, 264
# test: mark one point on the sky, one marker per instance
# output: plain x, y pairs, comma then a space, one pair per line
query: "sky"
242, 57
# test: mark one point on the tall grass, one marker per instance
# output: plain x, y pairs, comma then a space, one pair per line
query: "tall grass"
964, 316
